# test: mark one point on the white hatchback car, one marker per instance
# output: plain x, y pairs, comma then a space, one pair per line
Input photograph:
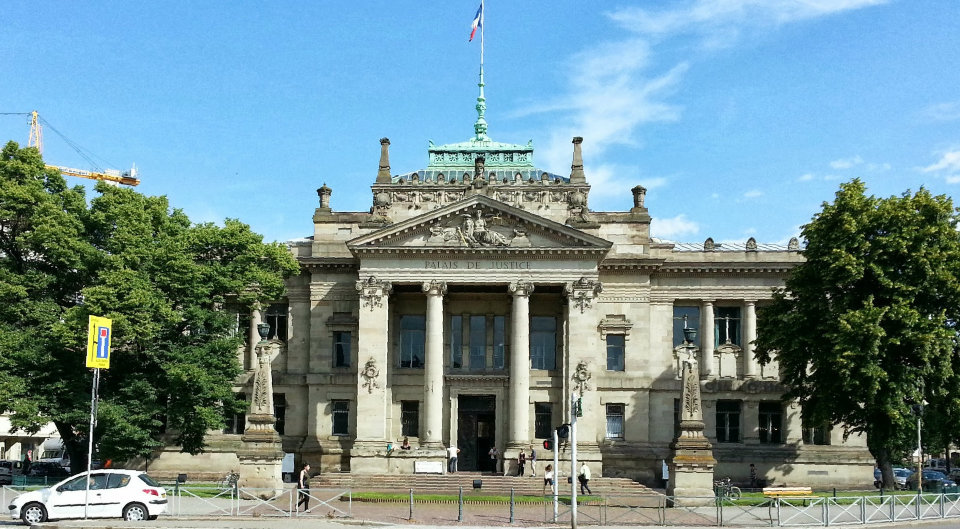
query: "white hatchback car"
128, 494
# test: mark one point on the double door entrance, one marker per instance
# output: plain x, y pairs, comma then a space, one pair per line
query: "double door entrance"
476, 432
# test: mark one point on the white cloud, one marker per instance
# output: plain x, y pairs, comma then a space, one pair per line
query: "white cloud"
943, 111
720, 22
806, 177
753, 193
609, 181
673, 228
954, 179
949, 162
846, 163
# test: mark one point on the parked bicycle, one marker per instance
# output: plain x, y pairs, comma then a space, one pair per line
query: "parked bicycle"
229, 482
725, 490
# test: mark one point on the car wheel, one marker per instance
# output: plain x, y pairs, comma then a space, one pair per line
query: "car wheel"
135, 512
33, 513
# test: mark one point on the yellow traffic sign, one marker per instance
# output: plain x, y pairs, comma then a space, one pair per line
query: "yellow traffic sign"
98, 343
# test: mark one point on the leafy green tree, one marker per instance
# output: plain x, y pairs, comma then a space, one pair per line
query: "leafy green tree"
865, 327
161, 279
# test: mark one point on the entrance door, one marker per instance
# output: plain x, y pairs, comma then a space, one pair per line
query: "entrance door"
476, 431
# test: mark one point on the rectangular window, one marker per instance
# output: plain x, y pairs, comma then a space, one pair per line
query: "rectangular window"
277, 318
499, 341
689, 315
726, 326
728, 421
543, 420
279, 411
341, 416
543, 342
478, 342
413, 331
341, 348
235, 423
410, 418
615, 352
815, 434
614, 421
771, 422
456, 341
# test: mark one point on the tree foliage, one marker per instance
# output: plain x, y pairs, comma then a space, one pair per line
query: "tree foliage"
865, 327
160, 278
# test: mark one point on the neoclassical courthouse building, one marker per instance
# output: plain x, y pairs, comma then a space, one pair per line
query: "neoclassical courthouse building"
478, 294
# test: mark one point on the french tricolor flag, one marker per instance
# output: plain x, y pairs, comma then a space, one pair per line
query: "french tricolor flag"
477, 21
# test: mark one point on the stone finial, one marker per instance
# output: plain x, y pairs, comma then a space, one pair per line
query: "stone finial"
324, 193
793, 245
383, 175
751, 244
576, 169
639, 193
709, 245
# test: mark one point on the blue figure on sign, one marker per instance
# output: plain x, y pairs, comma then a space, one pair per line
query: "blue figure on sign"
103, 340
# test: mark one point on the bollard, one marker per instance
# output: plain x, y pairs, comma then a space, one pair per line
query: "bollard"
834, 493
411, 505
460, 506
511, 505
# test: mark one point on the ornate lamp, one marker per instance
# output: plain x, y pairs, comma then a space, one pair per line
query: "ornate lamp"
264, 329
689, 335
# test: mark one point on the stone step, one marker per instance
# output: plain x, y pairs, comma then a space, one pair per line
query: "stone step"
450, 483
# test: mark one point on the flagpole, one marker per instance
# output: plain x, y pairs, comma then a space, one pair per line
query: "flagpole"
483, 16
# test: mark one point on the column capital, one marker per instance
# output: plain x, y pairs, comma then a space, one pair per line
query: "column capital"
750, 302
435, 288
520, 288
372, 291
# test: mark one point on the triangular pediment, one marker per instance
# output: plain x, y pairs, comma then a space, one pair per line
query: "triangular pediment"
479, 223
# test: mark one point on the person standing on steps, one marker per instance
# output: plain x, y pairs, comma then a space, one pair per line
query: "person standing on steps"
521, 462
548, 477
533, 461
303, 486
452, 453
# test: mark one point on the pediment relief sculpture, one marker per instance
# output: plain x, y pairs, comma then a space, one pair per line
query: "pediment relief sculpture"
476, 229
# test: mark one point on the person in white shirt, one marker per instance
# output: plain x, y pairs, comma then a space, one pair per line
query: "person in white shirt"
548, 477
584, 478
452, 455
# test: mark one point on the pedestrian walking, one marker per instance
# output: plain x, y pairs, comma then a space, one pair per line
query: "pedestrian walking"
303, 489
584, 478
548, 477
753, 476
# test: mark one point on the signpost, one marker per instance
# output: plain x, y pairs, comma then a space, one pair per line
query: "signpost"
98, 357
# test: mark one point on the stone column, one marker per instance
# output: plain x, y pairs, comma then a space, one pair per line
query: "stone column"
433, 368
520, 365
261, 452
706, 340
749, 335
372, 359
253, 337
691, 460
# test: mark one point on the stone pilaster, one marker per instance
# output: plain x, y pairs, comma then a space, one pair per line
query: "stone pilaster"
588, 357
372, 359
519, 436
749, 335
432, 428
706, 340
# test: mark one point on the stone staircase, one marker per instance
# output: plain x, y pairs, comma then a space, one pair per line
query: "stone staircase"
493, 484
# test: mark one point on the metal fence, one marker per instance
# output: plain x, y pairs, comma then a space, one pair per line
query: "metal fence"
609, 510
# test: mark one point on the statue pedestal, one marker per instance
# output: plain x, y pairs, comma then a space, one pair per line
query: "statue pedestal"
691, 467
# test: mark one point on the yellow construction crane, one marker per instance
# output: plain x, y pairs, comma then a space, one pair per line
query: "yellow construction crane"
128, 178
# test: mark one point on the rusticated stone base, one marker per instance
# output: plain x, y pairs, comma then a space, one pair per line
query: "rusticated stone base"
260, 465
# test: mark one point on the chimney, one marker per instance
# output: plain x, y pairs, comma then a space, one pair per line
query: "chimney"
383, 175
576, 170
324, 194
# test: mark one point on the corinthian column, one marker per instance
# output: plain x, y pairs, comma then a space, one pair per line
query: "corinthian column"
520, 364
706, 340
433, 375
749, 335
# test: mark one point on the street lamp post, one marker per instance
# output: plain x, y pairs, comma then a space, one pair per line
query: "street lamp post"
918, 411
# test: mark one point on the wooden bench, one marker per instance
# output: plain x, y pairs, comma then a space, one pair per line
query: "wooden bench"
787, 492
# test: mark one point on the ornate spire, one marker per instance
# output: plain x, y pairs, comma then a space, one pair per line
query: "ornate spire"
480, 127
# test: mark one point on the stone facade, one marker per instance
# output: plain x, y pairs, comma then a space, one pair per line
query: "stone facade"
476, 296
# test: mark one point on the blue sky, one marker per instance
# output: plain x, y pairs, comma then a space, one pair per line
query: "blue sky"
740, 116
